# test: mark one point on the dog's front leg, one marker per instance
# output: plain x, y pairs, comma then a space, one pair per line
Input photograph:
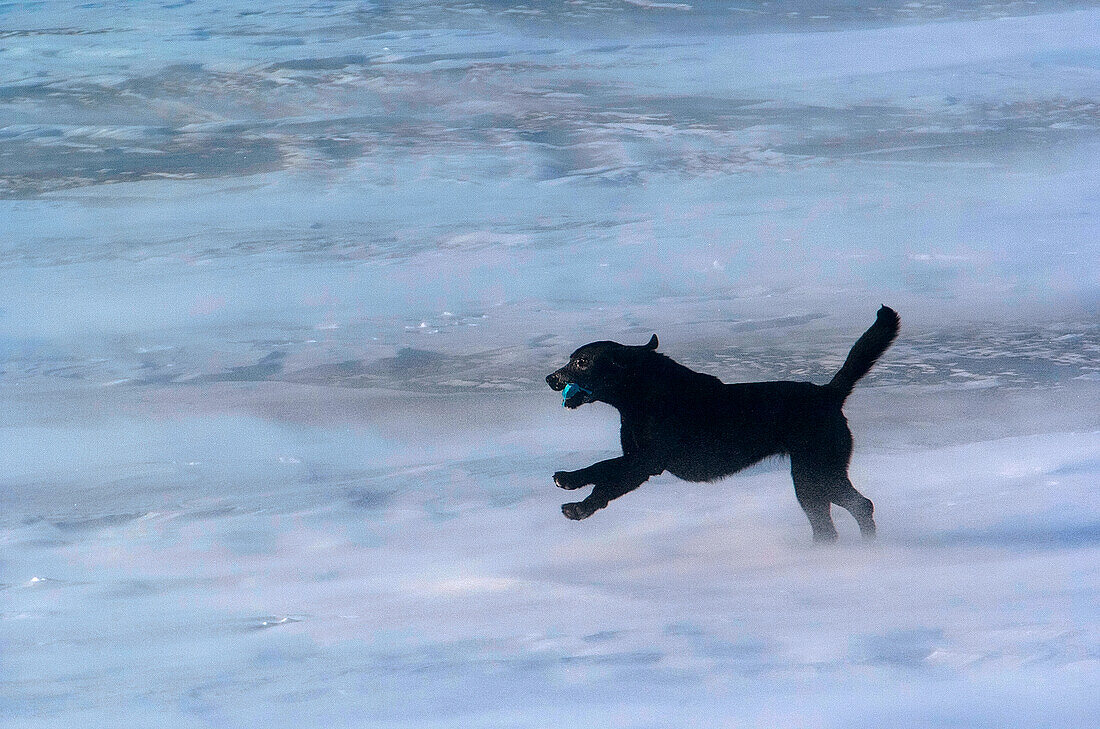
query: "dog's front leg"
617, 476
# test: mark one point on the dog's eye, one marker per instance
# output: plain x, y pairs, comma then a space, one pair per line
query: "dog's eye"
582, 364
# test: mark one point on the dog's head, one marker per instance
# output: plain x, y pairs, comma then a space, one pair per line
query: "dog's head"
598, 370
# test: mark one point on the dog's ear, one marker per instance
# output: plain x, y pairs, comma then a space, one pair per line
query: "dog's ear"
627, 354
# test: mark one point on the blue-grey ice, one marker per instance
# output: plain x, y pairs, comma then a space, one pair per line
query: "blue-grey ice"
280, 282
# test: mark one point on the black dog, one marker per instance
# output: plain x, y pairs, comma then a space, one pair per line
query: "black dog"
699, 429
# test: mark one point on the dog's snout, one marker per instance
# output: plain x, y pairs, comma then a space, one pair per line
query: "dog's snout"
554, 379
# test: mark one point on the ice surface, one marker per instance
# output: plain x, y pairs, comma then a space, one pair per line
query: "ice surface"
281, 284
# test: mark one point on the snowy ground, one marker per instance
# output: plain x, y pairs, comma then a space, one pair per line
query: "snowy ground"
280, 285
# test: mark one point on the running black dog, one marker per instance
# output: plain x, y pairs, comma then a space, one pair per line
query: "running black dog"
699, 429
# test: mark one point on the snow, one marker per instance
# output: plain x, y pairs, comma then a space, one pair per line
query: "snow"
281, 286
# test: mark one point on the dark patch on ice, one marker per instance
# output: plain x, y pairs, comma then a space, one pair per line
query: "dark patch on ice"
269, 365
34, 32
363, 498
409, 362
82, 161
213, 512
96, 522
321, 64
777, 323
420, 370
540, 341
128, 589
248, 542
609, 49
1088, 466
989, 130
627, 658
748, 650
24, 91
279, 42
426, 58
602, 637
900, 648
409, 359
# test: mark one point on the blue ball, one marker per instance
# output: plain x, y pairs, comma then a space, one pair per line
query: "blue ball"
570, 390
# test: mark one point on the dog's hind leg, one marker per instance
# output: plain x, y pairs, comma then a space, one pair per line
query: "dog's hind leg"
817, 511
811, 488
819, 468
819, 483
845, 495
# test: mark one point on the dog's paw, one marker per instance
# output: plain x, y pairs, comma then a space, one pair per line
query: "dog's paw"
566, 480
578, 510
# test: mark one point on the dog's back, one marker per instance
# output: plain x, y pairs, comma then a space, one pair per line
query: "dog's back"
742, 424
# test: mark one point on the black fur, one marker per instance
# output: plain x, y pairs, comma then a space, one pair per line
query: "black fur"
699, 429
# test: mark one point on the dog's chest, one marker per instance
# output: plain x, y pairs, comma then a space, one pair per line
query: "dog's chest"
648, 433
637, 434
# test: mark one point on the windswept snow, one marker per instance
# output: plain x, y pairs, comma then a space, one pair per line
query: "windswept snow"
281, 284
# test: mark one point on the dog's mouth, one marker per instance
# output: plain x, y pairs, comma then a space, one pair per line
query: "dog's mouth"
573, 396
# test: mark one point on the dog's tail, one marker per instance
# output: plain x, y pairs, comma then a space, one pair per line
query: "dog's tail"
865, 352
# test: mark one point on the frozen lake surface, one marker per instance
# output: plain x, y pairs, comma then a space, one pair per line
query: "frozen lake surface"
281, 282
